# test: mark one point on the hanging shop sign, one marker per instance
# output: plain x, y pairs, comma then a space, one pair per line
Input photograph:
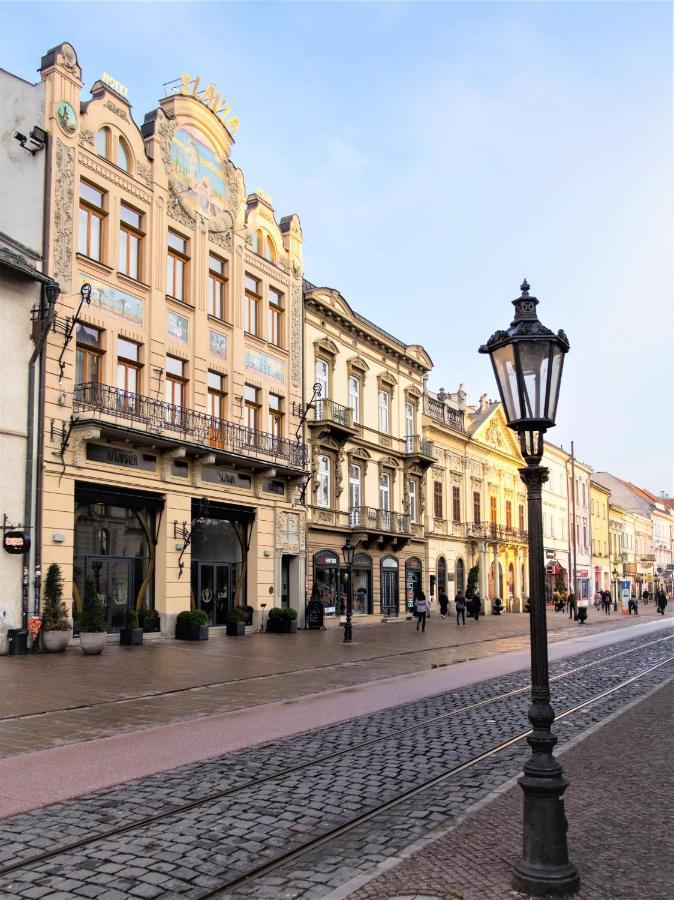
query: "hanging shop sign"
16, 542
211, 98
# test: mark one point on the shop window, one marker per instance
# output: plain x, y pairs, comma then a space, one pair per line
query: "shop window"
437, 499
217, 287
327, 586
91, 221
361, 589
218, 571
88, 355
324, 477
354, 397
384, 404
176, 267
123, 156
276, 415
251, 306
456, 503
103, 142
275, 313
130, 241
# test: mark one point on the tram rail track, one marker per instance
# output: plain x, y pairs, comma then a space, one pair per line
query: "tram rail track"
177, 810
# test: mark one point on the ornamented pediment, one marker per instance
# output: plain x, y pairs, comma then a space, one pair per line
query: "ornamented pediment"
496, 433
325, 345
357, 365
387, 380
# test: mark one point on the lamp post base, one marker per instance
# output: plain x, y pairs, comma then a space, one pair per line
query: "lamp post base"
348, 633
543, 881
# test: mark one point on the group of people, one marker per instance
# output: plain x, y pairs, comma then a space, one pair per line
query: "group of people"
603, 600
472, 606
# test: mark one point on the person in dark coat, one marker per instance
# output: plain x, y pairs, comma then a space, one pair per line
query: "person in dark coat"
443, 600
573, 606
460, 601
475, 606
661, 602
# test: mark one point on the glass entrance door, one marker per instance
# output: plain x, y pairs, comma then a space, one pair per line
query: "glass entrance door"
389, 588
113, 579
214, 591
285, 582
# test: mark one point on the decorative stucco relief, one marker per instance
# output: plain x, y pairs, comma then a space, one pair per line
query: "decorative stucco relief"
64, 193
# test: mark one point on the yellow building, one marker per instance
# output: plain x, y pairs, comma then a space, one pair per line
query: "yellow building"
476, 501
368, 463
172, 464
601, 549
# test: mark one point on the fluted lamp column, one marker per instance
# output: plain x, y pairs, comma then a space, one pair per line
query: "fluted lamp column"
527, 359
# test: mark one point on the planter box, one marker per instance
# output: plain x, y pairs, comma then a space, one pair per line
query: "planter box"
282, 626
191, 632
56, 641
235, 629
92, 642
131, 637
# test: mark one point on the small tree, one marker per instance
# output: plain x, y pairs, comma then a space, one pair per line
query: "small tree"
473, 579
560, 585
54, 610
91, 620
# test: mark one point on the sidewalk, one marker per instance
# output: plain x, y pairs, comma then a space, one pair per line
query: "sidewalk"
620, 807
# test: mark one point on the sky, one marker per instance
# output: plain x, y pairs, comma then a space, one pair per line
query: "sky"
438, 153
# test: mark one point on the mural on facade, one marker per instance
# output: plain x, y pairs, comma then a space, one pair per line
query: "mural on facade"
178, 327
198, 174
217, 344
112, 300
265, 364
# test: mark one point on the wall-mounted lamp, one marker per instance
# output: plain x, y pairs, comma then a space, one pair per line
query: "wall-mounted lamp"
36, 141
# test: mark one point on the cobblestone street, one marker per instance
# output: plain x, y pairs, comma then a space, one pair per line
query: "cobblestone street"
246, 809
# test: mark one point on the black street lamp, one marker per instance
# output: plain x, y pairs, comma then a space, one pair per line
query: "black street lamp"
528, 360
348, 551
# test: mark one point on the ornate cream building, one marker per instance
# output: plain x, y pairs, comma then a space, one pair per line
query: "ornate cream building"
173, 459
368, 461
476, 502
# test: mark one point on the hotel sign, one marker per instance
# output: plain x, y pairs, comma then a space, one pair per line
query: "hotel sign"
210, 98
116, 86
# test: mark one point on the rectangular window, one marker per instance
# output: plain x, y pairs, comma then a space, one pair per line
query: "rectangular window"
354, 397
251, 409
476, 507
509, 514
409, 427
175, 384
251, 306
456, 503
276, 415
520, 511
91, 218
130, 241
176, 267
383, 411
492, 510
437, 499
275, 313
128, 366
323, 489
217, 287
385, 498
216, 395
412, 489
88, 355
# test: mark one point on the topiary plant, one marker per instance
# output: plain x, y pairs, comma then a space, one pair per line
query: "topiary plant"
275, 612
289, 614
236, 614
54, 611
192, 617
473, 579
131, 619
91, 620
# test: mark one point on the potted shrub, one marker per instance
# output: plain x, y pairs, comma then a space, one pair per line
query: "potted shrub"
236, 622
497, 607
192, 625
56, 627
131, 635
148, 619
92, 623
282, 621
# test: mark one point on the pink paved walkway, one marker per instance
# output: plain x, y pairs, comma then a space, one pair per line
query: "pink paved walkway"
61, 773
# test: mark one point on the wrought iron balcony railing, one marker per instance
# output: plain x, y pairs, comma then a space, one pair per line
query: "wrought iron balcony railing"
418, 445
193, 426
329, 411
371, 519
444, 413
487, 531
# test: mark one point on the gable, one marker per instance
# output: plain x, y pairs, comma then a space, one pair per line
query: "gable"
495, 433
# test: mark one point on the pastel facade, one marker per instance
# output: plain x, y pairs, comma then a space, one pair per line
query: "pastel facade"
556, 538
173, 466
601, 546
579, 527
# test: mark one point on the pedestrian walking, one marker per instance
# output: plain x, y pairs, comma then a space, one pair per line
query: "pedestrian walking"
573, 606
475, 606
632, 606
460, 601
443, 599
598, 599
661, 602
422, 610
645, 597
606, 603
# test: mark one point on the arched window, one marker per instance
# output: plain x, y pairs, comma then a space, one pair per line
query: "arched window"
123, 156
270, 250
259, 242
460, 575
103, 142
442, 574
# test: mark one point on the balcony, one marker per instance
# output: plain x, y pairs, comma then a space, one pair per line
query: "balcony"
419, 451
442, 412
122, 410
487, 531
383, 527
333, 419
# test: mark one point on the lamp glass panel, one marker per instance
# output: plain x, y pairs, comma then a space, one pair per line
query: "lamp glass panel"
503, 360
534, 358
556, 364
